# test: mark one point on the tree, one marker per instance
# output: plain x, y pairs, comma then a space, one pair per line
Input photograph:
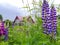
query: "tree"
8, 23
1, 18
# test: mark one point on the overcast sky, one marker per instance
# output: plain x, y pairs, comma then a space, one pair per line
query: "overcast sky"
10, 8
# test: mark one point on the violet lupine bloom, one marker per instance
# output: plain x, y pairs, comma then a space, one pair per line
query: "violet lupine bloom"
54, 19
3, 31
46, 18
49, 18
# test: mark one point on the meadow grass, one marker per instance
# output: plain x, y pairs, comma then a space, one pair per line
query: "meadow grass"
30, 34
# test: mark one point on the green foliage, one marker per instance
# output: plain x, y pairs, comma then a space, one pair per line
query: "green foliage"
58, 16
30, 35
8, 21
1, 18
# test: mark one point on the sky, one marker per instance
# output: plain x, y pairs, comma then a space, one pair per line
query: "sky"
12, 8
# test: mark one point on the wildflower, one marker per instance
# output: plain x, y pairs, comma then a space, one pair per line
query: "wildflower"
3, 31
46, 17
54, 19
49, 18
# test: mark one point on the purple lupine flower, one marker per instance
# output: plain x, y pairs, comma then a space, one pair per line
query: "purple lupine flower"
54, 19
3, 31
49, 18
1, 28
46, 17
44, 13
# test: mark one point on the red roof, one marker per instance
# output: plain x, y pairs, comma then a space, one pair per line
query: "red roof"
19, 18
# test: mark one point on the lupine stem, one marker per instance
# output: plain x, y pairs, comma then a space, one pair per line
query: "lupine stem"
6, 34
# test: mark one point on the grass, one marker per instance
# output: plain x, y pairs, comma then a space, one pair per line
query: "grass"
30, 35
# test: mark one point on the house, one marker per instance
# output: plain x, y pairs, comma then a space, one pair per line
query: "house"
30, 19
19, 20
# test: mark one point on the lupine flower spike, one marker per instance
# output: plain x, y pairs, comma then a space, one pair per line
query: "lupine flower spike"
3, 31
49, 19
53, 20
46, 17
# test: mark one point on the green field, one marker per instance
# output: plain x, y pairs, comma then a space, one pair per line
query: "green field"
31, 34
